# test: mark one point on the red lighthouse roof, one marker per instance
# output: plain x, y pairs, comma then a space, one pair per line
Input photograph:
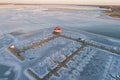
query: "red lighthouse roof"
57, 28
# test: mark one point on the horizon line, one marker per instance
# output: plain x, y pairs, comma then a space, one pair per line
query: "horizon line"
58, 4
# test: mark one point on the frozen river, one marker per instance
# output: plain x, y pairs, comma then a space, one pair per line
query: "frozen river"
85, 18
79, 18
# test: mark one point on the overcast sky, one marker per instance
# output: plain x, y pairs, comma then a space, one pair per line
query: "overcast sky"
110, 2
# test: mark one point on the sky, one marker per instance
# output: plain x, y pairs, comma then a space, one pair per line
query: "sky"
93, 2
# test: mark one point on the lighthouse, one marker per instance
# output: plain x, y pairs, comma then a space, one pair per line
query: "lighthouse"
57, 30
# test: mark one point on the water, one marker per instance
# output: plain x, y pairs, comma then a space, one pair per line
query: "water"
110, 30
3, 69
87, 18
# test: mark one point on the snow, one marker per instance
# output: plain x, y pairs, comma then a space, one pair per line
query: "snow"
113, 70
5, 40
42, 59
43, 50
30, 19
4, 79
27, 75
48, 62
37, 24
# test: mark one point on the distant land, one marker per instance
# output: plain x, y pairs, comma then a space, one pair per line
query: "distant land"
113, 10
53, 4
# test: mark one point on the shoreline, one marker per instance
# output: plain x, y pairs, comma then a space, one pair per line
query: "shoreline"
113, 11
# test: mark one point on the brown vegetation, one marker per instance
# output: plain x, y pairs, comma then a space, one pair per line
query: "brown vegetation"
113, 11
